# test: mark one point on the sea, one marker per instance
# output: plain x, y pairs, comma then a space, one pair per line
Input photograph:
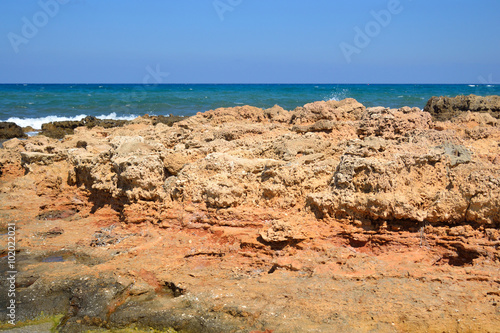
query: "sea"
35, 104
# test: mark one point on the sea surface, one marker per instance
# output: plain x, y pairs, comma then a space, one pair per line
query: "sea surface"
35, 104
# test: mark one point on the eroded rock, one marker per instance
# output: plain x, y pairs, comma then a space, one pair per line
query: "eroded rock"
9, 130
445, 108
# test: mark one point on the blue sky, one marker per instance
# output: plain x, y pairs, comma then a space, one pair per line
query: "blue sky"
249, 41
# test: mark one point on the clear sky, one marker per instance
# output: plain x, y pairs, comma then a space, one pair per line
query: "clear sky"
250, 41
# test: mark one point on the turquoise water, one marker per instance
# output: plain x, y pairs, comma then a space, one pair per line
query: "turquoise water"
34, 104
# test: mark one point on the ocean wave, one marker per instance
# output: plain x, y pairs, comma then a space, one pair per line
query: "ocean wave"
36, 123
336, 95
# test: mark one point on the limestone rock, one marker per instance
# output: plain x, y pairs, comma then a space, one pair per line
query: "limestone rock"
201, 225
277, 114
347, 109
319, 126
435, 185
281, 231
392, 123
445, 108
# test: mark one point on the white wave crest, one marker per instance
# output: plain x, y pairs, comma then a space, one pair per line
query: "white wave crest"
336, 95
36, 123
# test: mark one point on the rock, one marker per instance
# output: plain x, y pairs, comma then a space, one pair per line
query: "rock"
346, 109
281, 231
39, 158
277, 114
435, 185
445, 108
243, 219
10, 130
14, 144
225, 115
59, 129
169, 121
319, 126
223, 194
174, 162
28, 129
392, 123
456, 153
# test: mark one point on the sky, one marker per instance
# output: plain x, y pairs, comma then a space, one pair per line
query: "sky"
249, 41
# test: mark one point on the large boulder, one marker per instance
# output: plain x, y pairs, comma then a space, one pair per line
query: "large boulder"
444, 108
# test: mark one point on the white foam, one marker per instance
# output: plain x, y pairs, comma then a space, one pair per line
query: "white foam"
36, 123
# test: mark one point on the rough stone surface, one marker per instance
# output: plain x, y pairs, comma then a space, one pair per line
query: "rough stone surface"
445, 108
243, 219
10, 130
346, 109
59, 129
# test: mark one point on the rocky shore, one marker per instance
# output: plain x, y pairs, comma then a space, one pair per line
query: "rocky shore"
331, 217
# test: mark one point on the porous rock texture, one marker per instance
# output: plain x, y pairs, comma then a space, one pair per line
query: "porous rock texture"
328, 218
444, 108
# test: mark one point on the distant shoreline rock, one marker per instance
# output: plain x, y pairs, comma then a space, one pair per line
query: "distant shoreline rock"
59, 129
444, 108
9, 130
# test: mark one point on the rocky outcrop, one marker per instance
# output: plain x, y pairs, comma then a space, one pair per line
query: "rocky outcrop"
390, 165
445, 108
59, 129
346, 109
239, 219
10, 130
393, 123
411, 183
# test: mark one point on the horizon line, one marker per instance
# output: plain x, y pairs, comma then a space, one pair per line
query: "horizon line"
184, 83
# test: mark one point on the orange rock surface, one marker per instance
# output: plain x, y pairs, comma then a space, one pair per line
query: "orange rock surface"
328, 218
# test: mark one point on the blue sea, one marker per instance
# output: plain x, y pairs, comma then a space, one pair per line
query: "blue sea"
35, 104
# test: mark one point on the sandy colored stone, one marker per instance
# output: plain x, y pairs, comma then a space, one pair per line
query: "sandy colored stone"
328, 218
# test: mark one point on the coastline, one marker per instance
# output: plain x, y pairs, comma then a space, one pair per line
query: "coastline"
32, 105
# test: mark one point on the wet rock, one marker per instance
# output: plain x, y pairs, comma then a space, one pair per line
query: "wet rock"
59, 129
10, 130
28, 129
